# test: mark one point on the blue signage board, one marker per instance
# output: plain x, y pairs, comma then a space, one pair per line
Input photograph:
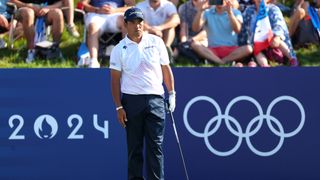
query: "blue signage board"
247, 123
233, 123
59, 124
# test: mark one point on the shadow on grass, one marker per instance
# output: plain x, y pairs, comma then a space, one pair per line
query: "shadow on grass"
309, 56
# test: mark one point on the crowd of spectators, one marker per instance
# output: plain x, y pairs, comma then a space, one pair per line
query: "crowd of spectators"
205, 31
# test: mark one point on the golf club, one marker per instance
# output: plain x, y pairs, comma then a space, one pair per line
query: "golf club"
177, 138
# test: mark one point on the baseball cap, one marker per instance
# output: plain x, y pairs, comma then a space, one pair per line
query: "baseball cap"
133, 13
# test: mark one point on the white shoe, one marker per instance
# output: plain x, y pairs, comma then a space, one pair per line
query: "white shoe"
94, 63
73, 31
31, 55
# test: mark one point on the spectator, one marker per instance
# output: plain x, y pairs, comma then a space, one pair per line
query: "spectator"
280, 49
4, 21
222, 23
187, 12
103, 16
161, 18
29, 10
301, 27
69, 13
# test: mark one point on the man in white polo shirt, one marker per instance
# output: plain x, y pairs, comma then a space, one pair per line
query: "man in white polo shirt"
139, 64
161, 18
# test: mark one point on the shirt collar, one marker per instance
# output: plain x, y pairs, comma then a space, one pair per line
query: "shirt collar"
129, 41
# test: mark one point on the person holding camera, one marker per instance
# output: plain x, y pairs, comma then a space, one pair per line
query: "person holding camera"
222, 23
139, 65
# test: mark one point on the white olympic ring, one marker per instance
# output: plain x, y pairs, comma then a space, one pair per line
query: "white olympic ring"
279, 131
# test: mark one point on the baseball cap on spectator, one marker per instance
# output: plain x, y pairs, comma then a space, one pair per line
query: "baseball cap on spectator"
133, 13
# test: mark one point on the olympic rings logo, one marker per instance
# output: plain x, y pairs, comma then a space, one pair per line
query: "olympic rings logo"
208, 131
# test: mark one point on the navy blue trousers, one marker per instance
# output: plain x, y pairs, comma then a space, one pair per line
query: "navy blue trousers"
146, 123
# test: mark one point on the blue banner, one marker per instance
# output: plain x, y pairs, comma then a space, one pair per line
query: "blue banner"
59, 124
233, 123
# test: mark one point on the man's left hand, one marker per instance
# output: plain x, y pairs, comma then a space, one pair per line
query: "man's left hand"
172, 100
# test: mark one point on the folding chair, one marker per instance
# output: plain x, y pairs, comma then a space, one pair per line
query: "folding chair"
11, 10
13, 26
106, 42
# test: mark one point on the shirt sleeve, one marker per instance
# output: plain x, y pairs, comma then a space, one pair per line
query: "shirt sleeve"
206, 14
170, 8
243, 37
115, 58
277, 22
164, 57
141, 6
182, 12
238, 15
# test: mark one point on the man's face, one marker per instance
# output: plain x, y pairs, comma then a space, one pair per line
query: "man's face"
135, 28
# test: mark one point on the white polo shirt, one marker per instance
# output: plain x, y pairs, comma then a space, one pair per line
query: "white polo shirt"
158, 16
140, 64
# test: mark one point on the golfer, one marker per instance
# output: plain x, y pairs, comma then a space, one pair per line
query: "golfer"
139, 65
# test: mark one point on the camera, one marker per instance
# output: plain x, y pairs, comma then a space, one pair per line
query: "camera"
215, 2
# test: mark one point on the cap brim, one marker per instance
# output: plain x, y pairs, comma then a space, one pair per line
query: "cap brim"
131, 19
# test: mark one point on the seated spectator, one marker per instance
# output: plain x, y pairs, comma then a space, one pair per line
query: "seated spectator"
4, 21
103, 16
222, 23
187, 12
161, 18
69, 13
280, 49
29, 10
302, 29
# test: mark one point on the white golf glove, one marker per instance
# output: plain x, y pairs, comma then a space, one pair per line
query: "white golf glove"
172, 100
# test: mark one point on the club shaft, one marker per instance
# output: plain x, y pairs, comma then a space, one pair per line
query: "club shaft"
178, 142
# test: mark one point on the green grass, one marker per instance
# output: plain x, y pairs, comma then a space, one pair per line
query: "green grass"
15, 58
307, 57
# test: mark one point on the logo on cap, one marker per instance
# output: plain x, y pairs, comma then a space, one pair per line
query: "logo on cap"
133, 13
